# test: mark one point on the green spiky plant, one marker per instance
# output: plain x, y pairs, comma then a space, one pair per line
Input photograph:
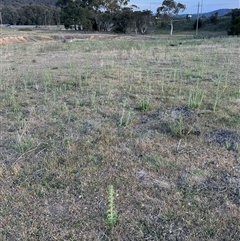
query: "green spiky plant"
112, 217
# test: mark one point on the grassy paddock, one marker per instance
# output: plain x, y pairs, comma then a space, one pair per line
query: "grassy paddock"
120, 139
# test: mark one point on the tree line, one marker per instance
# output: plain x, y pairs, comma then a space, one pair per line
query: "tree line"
88, 15
20, 3
31, 15
103, 15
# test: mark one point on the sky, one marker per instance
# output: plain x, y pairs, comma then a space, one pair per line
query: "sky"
207, 5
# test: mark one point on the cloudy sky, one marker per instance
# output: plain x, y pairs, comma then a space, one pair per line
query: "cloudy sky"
207, 6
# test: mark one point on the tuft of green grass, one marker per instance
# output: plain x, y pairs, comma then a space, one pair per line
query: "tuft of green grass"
234, 146
125, 118
25, 29
195, 98
180, 127
221, 87
24, 145
144, 104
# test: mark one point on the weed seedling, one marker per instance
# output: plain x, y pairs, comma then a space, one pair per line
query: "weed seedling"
24, 145
219, 93
125, 118
228, 145
180, 128
93, 98
144, 104
112, 217
196, 98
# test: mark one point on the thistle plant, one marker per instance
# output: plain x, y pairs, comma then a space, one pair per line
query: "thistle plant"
112, 217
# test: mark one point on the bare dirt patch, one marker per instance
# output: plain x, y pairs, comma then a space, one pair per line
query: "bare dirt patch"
13, 39
22, 39
67, 36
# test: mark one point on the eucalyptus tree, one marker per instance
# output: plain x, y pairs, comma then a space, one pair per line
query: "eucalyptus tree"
107, 11
123, 20
169, 10
75, 13
142, 20
112, 6
9, 15
87, 13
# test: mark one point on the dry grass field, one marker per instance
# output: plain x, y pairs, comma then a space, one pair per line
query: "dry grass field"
114, 137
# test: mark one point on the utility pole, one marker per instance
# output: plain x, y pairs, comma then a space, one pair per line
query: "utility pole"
45, 18
197, 19
1, 18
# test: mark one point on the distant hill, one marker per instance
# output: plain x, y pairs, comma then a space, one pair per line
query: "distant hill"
221, 12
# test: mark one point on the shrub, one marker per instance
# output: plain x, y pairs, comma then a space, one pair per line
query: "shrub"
214, 18
200, 23
25, 29
235, 27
